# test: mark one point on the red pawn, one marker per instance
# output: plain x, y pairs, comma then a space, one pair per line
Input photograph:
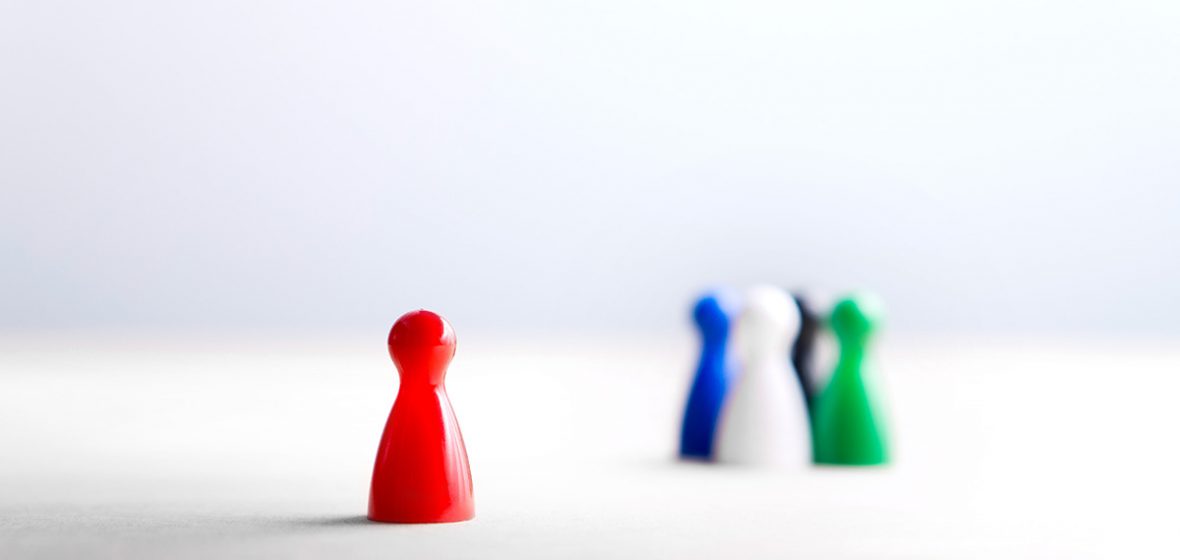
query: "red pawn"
421, 475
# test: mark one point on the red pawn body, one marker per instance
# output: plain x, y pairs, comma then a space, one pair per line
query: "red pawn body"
421, 475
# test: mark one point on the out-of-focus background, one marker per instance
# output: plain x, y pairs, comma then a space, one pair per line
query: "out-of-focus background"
984, 166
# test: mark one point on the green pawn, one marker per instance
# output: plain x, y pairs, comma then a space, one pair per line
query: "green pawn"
847, 423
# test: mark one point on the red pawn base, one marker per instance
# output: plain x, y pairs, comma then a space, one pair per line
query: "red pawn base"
421, 517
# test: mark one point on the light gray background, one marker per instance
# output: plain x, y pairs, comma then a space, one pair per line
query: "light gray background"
984, 166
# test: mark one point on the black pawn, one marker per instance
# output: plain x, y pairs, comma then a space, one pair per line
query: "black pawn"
803, 350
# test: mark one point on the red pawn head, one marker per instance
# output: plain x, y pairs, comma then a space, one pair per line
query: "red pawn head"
422, 344
421, 474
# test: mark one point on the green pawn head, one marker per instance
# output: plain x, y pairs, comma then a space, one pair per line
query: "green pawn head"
856, 317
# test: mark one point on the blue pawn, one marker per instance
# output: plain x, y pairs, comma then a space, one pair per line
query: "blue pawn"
713, 314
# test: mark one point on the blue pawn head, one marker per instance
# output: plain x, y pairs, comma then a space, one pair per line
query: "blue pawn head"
714, 312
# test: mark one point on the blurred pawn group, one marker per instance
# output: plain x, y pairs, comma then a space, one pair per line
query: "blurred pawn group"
762, 394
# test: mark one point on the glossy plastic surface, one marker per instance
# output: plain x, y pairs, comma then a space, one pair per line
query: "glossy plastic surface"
421, 474
848, 423
713, 314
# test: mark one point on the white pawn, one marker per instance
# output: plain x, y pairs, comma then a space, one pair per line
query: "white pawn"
764, 420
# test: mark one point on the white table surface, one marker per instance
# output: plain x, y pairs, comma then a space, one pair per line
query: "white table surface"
155, 446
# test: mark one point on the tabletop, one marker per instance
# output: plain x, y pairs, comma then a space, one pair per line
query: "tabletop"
148, 445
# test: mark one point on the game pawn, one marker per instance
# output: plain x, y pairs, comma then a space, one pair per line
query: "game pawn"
421, 474
764, 419
713, 315
803, 350
848, 423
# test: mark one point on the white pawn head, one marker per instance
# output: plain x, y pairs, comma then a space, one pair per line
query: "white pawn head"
768, 325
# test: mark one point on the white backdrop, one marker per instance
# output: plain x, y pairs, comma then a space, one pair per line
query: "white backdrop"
985, 166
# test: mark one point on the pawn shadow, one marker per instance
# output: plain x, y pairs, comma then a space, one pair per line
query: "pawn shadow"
330, 522
335, 521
